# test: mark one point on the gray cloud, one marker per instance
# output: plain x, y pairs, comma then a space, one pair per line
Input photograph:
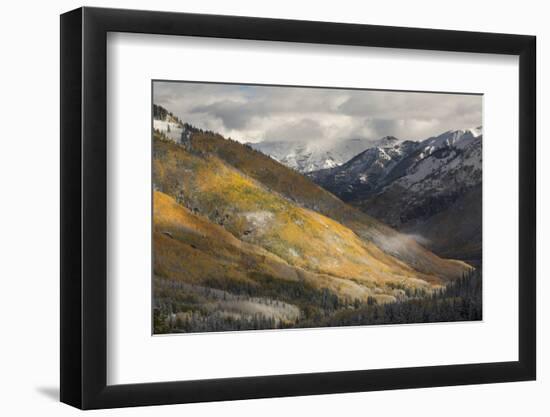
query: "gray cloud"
264, 113
233, 114
304, 130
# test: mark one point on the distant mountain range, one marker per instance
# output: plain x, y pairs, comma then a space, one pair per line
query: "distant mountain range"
315, 156
429, 189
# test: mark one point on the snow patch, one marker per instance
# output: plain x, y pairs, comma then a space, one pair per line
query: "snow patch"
259, 219
173, 131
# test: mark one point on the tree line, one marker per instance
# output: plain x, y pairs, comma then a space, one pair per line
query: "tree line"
460, 300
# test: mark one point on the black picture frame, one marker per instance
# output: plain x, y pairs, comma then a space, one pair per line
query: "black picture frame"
84, 207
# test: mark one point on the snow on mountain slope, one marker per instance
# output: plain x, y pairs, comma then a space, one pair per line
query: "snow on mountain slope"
406, 163
171, 129
311, 156
362, 174
170, 126
454, 154
452, 138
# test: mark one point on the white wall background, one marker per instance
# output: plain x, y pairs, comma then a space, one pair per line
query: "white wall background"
29, 224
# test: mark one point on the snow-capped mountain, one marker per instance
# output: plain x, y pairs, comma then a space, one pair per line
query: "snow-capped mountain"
362, 174
413, 186
455, 156
314, 156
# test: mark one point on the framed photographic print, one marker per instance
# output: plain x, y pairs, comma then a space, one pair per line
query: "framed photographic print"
258, 207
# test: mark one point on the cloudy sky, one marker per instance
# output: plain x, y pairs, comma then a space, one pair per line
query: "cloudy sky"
261, 113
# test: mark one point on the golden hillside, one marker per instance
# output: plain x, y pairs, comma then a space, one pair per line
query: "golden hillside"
217, 227
296, 188
188, 248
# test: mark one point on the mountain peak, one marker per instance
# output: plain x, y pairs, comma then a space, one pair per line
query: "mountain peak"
476, 131
386, 141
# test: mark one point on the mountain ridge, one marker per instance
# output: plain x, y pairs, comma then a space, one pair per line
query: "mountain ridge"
314, 156
408, 184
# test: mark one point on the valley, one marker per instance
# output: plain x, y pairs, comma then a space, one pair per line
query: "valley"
242, 241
